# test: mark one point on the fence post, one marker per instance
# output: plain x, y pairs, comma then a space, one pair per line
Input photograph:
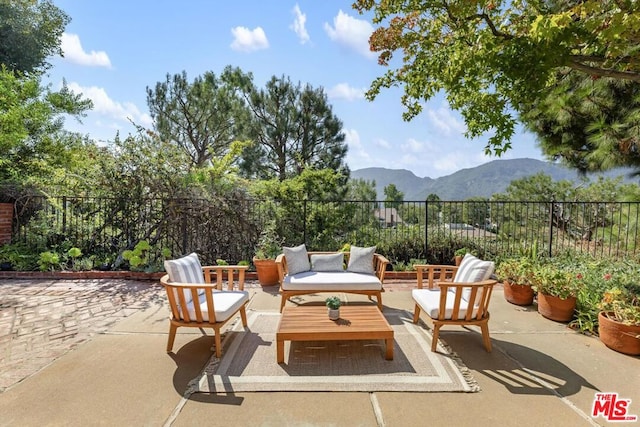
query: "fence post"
551, 226
184, 228
64, 215
426, 227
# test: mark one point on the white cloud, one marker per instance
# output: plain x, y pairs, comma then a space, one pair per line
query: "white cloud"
445, 121
382, 143
105, 106
351, 32
357, 153
344, 91
246, 40
73, 52
298, 25
413, 146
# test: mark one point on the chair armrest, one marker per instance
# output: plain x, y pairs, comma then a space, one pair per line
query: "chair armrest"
380, 266
435, 273
281, 263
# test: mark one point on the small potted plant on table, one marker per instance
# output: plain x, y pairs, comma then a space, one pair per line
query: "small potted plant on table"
333, 305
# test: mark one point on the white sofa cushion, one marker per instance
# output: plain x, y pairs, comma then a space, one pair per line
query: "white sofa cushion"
429, 302
361, 259
297, 259
327, 262
185, 270
471, 270
331, 281
225, 303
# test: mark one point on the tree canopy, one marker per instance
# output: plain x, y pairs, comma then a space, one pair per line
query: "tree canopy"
30, 32
294, 128
491, 57
32, 138
203, 117
588, 124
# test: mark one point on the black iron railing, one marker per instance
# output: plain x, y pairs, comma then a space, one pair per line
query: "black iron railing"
232, 229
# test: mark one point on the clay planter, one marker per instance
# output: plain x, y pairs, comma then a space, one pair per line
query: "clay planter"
555, 308
517, 294
618, 336
267, 271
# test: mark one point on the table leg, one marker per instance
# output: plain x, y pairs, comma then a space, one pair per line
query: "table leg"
280, 351
389, 355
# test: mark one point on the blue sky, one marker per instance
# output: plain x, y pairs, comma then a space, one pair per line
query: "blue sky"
115, 49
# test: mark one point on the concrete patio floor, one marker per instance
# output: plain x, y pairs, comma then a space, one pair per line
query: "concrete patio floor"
92, 352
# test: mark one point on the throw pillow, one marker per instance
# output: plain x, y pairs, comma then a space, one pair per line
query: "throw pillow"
327, 262
297, 259
361, 260
473, 269
185, 270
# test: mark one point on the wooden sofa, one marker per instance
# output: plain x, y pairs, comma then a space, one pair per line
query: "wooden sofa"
311, 282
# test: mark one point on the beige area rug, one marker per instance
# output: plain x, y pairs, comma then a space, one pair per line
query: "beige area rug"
249, 362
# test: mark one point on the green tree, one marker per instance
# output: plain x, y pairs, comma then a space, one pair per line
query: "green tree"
32, 139
203, 117
493, 56
30, 32
315, 196
294, 128
591, 124
361, 189
393, 197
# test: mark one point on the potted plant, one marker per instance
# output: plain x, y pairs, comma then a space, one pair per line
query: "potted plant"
515, 276
619, 320
264, 259
556, 288
460, 253
333, 305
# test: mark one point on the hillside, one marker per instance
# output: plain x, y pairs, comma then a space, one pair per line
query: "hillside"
482, 181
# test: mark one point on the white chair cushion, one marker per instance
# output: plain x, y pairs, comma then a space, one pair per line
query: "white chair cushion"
361, 259
327, 262
225, 303
429, 302
297, 259
185, 270
471, 270
331, 281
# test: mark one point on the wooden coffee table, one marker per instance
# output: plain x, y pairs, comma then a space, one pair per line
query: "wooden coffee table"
311, 323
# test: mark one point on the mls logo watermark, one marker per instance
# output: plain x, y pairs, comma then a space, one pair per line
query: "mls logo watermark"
612, 408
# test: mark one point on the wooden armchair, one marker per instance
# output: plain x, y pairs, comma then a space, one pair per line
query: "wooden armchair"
449, 301
196, 302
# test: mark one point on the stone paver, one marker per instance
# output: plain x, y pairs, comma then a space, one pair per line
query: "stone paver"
42, 320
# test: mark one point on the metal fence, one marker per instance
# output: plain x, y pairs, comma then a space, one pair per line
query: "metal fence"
232, 229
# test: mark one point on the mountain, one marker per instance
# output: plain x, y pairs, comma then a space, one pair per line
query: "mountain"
482, 181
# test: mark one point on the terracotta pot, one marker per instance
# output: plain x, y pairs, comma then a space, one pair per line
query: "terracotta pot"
618, 336
555, 308
267, 271
517, 294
